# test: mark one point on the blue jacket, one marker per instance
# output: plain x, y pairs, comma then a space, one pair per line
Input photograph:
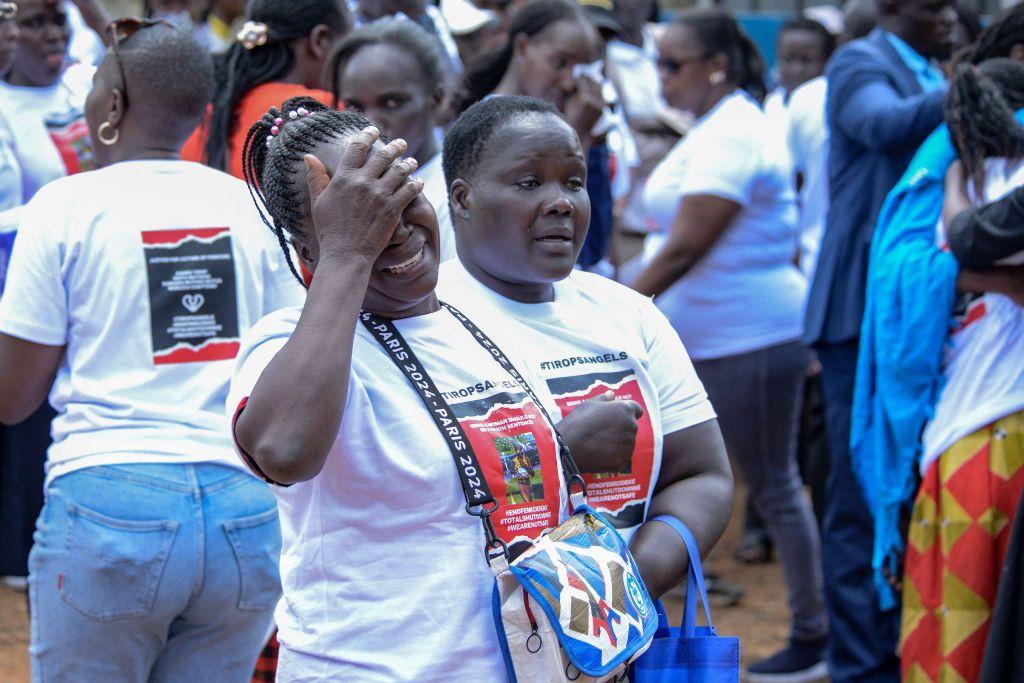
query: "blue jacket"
878, 116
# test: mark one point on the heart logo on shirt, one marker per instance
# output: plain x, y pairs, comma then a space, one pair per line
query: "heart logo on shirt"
193, 302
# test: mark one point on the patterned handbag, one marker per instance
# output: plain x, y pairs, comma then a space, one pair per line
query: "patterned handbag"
595, 614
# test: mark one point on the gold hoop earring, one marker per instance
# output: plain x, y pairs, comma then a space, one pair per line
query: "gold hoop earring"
106, 126
717, 78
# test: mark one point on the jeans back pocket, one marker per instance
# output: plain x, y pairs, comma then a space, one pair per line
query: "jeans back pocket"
256, 542
116, 564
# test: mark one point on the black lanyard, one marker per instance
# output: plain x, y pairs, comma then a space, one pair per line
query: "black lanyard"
480, 502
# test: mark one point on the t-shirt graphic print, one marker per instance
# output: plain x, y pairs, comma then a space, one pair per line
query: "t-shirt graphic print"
515, 448
192, 301
70, 135
620, 496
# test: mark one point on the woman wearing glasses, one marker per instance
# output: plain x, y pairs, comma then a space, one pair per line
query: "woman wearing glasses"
155, 556
723, 272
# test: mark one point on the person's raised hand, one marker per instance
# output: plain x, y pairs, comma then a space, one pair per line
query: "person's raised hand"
601, 433
355, 212
585, 106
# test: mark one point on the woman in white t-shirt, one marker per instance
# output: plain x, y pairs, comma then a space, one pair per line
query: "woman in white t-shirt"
155, 556
973, 445
393, 71
722, 270
382, 566
43, 136
517, 180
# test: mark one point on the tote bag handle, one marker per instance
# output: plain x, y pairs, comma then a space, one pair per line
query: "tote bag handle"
695, 580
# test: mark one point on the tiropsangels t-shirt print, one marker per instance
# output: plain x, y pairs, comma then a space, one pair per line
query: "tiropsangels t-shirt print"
597, 337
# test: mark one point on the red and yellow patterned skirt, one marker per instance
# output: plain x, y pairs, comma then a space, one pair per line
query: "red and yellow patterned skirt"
957, 541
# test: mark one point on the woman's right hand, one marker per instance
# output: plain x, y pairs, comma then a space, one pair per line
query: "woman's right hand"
355, 212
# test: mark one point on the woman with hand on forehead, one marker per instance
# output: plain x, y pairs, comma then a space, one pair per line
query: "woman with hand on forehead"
393, 72
517, 175
382, 569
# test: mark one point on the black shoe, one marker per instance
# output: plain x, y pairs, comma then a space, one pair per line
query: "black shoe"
802, 661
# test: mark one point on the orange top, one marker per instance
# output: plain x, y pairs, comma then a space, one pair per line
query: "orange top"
254, 105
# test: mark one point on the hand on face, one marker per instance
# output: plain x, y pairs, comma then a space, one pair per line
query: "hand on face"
611, 426
356, 212
585, 106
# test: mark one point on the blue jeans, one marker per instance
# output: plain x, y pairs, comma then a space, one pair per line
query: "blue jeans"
863, 643
153, 573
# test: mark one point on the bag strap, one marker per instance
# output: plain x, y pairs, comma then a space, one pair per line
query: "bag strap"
695, 580
570, 471
480, 502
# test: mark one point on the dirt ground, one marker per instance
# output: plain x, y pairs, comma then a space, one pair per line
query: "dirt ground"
761, 620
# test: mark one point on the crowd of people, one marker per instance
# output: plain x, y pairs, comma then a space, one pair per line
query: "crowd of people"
265, 267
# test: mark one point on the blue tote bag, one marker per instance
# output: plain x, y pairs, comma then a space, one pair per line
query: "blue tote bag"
690, 653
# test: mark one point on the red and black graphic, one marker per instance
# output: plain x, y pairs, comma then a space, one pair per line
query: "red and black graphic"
969, 309
620, 496
70, 135
516, 449
192, 302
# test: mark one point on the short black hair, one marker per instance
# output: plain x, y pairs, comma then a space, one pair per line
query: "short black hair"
270, 162
828, 41
467, 138
169, 78
402, 34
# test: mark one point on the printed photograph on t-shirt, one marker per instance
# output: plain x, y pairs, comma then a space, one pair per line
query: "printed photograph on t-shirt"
520, 461
516, 449
620, 496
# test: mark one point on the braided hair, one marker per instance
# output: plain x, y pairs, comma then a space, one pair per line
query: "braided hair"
484, 74
272, 162
980, 112
469, 135
998, 38
240, 70
718, 32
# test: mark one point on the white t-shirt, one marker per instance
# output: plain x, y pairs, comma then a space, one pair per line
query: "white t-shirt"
807, 137
775, 108
383, 569
48, 133
635, 72
149, 272
745, 294
983, 363
436, 192
599, 336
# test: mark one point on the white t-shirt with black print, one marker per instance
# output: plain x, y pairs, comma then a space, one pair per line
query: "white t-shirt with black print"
383, 569
599, 336
149, 272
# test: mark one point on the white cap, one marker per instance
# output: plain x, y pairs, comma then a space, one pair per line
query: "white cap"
463, 17
828, 16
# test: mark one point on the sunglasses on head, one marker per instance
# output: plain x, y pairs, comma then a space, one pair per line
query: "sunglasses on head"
673, 66
8, 10
120, 30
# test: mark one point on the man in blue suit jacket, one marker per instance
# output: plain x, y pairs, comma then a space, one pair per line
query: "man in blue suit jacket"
885, 97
